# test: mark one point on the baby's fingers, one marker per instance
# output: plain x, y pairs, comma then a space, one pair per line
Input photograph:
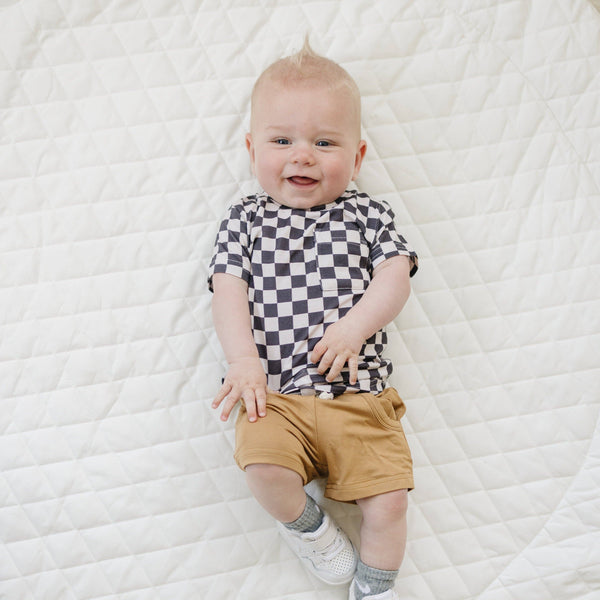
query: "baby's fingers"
336, 368
222, 394
255, 402
261, 402
353, 367
326, 361
318, 351
230, 401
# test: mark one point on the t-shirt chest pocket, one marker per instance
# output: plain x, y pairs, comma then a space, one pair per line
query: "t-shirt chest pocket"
342, 258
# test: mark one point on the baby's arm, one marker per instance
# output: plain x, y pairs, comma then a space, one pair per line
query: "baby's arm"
382, 301
245, 377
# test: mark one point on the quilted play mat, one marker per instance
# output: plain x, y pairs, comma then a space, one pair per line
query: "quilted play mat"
121, 146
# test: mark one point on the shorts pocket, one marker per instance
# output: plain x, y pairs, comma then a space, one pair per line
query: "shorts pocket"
342, 259
387, 407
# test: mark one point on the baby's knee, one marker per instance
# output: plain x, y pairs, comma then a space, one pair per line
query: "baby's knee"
395, 503
391, 506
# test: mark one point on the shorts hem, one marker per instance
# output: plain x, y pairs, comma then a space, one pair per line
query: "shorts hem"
248, 458
353, 492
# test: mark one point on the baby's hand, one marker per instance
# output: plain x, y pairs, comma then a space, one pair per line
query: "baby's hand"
340, 345
245, 380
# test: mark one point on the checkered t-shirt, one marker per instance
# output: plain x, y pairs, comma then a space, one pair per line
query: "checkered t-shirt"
305, 269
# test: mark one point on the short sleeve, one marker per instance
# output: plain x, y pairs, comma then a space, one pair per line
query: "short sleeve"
231, 253
387, 241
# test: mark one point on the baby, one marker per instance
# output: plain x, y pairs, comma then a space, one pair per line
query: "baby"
305, 275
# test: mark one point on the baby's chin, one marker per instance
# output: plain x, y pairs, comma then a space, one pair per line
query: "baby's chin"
303, 193
303, 203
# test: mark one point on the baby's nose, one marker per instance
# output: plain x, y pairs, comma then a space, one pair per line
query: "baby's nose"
302, 154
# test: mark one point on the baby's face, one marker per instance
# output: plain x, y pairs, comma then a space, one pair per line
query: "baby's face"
304, 144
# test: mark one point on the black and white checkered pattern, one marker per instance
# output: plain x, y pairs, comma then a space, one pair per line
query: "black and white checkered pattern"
305, 269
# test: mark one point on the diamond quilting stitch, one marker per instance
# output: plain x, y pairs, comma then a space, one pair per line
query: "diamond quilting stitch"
113, 176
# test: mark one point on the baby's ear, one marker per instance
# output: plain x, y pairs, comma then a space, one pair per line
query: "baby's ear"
250, 148
360, 154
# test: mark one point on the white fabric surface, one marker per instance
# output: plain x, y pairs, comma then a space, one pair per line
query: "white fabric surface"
121, 144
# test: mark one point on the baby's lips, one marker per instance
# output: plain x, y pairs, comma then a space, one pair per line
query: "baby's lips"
302, 180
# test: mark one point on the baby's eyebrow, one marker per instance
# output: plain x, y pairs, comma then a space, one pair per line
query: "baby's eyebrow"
317, 134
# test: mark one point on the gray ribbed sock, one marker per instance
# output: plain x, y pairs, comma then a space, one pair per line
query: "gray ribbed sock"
370, 582
309, 520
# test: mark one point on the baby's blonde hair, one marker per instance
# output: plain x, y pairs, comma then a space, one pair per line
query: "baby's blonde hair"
306, 67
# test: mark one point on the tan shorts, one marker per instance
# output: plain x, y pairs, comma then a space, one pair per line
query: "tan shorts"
355, 440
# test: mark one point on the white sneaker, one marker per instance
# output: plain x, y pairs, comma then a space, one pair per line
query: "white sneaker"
327, 552
388, 595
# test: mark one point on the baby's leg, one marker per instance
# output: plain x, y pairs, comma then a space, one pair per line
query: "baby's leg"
279, 490
383, 530
310, 532
260, 446
383, 540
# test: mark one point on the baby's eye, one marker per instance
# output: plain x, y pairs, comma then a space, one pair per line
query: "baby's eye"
282, 141
323, 143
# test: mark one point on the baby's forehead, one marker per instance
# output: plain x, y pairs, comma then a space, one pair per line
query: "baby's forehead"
321, 92
285, 81
314, 74
272, 86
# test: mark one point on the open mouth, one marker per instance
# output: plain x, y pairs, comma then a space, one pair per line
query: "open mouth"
302, 181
